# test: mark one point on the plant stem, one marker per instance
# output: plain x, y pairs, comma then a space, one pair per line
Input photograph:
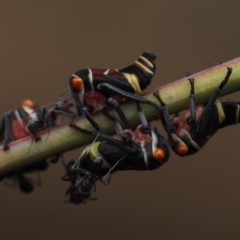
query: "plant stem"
62, 138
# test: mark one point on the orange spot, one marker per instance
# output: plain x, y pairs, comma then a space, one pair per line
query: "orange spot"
159, 154
28, 103
77, 83
182, 150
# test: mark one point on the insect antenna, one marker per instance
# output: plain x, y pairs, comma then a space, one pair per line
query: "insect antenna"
95, 139
109, 172
63, 92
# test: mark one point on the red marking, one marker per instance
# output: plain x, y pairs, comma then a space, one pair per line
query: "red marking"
183, 124
95, 98
180, 124
137, 136
99, 75
19, 130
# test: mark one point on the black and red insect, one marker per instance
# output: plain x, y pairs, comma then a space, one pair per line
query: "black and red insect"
128, 150
29, 119
188, 135
138, 149
46, 118
90, 87
13, 124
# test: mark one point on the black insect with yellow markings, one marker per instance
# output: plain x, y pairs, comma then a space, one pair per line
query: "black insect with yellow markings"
142, 149
187, 136
90, 87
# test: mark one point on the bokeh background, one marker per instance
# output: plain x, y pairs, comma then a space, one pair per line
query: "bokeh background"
43, 42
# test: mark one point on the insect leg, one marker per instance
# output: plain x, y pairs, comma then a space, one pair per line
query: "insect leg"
145, 126
32, 126
113, 103
128, 148
192, 119
125, 94
2, 127
166, 119
75, 96
86, 114
70, 175
124, 136
7, 118
35, 124
211, 103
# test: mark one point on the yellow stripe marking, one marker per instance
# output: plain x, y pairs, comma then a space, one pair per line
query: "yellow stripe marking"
146, 61
141, 66
221, 114
132, 79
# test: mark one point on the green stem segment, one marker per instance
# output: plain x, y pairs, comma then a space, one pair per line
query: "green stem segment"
63, 138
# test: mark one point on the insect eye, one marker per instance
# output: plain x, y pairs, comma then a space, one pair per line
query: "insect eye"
159, 154
77, 84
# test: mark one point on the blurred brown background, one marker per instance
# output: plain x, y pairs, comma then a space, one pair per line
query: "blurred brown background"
42, 43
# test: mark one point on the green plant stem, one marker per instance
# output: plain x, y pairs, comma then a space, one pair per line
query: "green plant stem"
63, 138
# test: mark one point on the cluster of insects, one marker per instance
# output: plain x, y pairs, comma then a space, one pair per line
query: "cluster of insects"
134, 148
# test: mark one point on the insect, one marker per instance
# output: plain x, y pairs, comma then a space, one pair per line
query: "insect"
81, 186
13, 124
71, 176
141, 149
26, 184
188, 135
45, 118
91, 87
138, 151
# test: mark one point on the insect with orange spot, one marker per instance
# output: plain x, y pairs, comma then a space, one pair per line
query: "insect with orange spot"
187, 136
13, 124
91, 87
110, 154
142, 149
